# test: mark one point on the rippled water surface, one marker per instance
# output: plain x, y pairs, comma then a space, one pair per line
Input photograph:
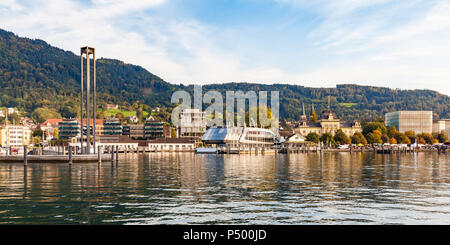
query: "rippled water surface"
184, 188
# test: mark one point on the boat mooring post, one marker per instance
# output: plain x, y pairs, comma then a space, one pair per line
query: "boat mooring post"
70, 155
112, 154
25, 154
117, 153
100, 153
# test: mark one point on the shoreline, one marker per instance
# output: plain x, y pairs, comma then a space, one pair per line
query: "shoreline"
107, 157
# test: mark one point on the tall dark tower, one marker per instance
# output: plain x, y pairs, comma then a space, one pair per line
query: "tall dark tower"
303, 117
88, 51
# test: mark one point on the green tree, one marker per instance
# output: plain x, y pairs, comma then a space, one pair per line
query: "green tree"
385, 138
442, 137
101, 114
313, 116
41, 114
372, 126
402, 138
14, 118
38, 132
426, 137
36, 140
411, 135
56, 134
392, 131
120, 116
341, 138
173, 133
392, 141
140, 114
327, 139
374, 137
421, 140
313, 137
358, 138
379, 120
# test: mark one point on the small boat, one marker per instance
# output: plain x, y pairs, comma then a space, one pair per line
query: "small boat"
203, 150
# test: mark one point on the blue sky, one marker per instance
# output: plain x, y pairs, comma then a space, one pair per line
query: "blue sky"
393, 43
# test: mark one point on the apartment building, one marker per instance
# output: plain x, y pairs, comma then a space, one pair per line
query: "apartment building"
15, 135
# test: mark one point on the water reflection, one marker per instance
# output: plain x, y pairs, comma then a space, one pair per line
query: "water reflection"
181, 188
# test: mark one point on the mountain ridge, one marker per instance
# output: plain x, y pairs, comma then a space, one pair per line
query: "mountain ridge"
34, 74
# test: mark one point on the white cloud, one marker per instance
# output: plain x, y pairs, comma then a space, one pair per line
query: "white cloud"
10, 5
178, 50
379, 42
403, 44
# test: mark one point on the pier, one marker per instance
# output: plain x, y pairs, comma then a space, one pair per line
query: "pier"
70, 154
52, 158
110, 152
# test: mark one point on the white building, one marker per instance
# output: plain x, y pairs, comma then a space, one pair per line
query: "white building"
192, 123
171, 144
441, 125
11, 110
133, 119
15, 135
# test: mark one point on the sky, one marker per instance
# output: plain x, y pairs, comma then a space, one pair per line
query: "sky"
391, 43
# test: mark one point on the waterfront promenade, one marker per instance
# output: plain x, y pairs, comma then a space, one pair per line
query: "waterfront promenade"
111, 152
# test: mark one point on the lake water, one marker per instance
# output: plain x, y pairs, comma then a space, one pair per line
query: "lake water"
185, 188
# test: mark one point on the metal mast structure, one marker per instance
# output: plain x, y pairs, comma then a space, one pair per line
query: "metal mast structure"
87, 51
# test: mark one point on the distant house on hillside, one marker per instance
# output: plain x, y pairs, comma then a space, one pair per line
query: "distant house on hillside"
25, 121
12, 110
112, 106
133, 119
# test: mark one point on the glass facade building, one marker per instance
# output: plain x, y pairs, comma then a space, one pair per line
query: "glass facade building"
417, 121
133, 131
153, 129
112, 126
68, 129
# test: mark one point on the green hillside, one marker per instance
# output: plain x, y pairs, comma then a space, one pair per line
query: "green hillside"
34, 74
43, 81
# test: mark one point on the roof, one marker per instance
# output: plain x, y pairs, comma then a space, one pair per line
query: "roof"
91, 122
222, 135
296, 138
346, 125
310, 124
52, 122
286, 133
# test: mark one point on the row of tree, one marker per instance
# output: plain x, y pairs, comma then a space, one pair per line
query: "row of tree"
377, 132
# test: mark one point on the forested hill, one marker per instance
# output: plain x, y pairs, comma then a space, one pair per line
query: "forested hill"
349, 101
36, 76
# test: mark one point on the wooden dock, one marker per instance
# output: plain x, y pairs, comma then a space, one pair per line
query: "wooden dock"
53, 158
